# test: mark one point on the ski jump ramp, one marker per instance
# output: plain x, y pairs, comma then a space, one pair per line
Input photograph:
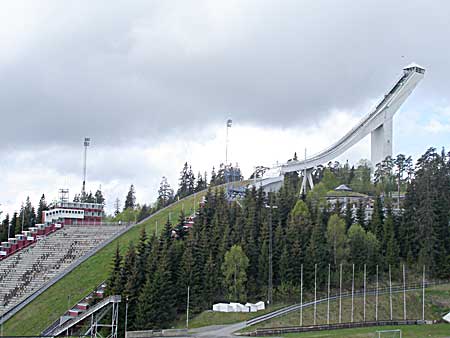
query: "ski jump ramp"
378, 123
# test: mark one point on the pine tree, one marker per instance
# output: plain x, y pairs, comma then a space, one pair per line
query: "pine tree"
278, 247
317, 251
14, 224
191, 274
4, 229
190, 182
201, 183
116, 207
98, 197
210, 282
348, 215
263, 259
213, 178
27, 217
156, 308
165, 194
184, 185
130, 200
41, 208
361, 215
115, 286
389, 246
129, 264
377, 221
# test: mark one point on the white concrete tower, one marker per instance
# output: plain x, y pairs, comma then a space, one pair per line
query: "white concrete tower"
382, 133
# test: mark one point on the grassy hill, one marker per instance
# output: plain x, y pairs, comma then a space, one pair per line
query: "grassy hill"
437, 303
46, 308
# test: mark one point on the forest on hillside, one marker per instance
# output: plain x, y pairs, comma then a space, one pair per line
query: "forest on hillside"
224, 256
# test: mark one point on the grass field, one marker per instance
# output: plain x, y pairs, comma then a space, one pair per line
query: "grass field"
46, 308
409, 331
437, 303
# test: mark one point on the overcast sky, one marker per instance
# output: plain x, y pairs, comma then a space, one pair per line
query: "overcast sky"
153, 83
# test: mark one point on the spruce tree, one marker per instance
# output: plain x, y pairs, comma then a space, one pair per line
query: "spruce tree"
114, 284
377, 221
348, 215
4, 229
184, 182
389, 246
98, 197
130, 199
41, 208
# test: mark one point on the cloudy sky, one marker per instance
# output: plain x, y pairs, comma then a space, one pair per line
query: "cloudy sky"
153, 83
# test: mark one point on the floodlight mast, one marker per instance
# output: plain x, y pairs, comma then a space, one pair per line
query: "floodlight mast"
87, 143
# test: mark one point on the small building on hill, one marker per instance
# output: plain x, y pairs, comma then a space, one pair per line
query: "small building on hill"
73, 213
343, 195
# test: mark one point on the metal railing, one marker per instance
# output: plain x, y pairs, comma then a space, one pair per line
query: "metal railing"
297, 329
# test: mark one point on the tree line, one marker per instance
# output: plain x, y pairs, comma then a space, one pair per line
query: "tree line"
225, 255
188, 184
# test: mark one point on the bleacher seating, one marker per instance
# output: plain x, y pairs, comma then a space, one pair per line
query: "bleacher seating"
26, 271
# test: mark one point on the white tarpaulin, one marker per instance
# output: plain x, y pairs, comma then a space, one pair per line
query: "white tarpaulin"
260, 306
222, 307
447, 317
238, 307
252, 307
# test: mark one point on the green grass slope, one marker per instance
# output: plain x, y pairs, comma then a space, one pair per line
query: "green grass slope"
46, 308
437, 303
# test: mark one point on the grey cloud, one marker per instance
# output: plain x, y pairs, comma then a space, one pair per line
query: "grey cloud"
123, 71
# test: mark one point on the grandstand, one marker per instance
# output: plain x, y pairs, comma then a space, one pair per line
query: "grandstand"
27, 271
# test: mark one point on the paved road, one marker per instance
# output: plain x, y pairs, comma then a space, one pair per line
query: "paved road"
218, 331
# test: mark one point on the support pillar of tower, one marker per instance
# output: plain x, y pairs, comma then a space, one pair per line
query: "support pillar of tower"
307, 178
381, 142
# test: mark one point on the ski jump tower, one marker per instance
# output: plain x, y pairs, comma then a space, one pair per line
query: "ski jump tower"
378, 123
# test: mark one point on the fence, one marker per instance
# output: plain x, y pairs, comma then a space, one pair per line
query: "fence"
299, 329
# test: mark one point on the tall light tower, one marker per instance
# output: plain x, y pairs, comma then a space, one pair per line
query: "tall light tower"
229, 123
87, 143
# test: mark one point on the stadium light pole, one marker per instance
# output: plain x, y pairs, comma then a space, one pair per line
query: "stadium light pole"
340, 293
404, 293
229, 123
364, 312
423, 294
315, 292
301, 295
328, 296
126, 316
187, 308
353, 288
376, 299
23, 215
87, 143
270, 279
390, 291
